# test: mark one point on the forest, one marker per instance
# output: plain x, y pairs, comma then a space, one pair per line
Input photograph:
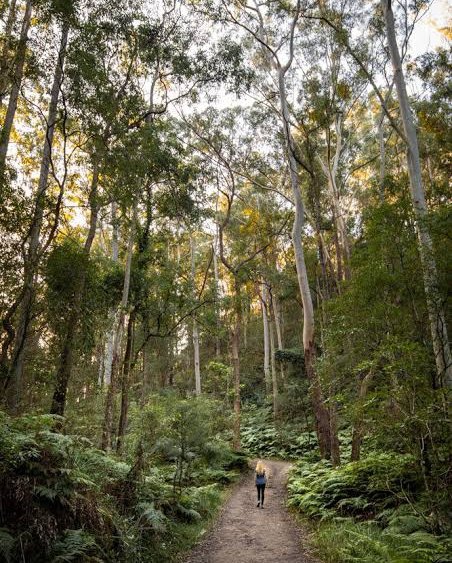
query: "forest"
225, 235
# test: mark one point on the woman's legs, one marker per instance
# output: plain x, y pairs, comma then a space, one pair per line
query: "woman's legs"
260, 495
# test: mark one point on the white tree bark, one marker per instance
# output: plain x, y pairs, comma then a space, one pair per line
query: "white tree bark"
437, 319
108, 355
330, 169
217, 299
274, 376
118, 331
264, 306
195, 333
297, 230
278, 326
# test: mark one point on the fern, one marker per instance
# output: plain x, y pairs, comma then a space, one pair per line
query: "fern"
6, 544
153, 517
188, 514
75, 545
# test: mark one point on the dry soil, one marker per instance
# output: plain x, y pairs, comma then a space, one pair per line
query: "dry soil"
247, 534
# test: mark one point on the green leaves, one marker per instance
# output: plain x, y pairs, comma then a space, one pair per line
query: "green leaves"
358, 488
363, 510
75, 545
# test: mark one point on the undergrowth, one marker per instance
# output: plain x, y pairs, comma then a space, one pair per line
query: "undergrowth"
373, 510
63, 500
263, 437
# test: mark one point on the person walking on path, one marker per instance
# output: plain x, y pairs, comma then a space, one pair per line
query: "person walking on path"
261, 481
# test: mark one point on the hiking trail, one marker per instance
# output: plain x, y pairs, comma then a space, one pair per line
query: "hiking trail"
244, 533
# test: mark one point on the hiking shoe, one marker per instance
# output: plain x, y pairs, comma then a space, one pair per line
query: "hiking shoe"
258, 504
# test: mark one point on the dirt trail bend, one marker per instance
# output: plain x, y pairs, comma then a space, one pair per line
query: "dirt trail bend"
247, 534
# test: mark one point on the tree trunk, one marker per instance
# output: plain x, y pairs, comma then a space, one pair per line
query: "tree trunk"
235, 349
278, 326
320, 411
108, 359
330, 169
146, 383
5, 61
195, 333
32, 258
107, 430
337, 246
382, 147
317, 220
335, 447
264, 305
125, 383
217, 301
357, 433
15, 89
273, 364
67, 352
438, 328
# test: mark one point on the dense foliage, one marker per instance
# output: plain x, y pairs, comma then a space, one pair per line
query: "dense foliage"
83, 505
224, 227
375, 509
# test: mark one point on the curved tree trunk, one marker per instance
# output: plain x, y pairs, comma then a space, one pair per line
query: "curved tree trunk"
320, 411
438, 327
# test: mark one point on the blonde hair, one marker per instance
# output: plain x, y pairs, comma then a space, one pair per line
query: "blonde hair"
260, 468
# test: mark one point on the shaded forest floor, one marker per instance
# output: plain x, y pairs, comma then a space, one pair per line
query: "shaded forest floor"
245, 533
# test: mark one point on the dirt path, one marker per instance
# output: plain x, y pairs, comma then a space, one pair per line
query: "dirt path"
247, 534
